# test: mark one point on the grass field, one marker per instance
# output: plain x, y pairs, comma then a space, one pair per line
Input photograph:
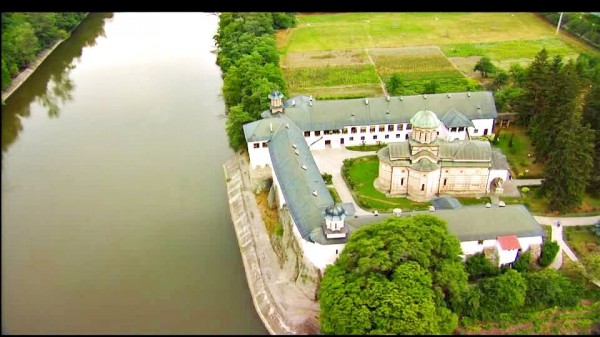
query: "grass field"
409, 44
517, 155
539, 205
582, 240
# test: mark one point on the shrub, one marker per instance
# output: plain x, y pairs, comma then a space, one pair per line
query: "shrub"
502, 293
523, 263
327, 178
548, 288
478, 266
549, 251
525, 189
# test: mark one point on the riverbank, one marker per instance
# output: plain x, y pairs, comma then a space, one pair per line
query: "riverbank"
280, 303
24, 75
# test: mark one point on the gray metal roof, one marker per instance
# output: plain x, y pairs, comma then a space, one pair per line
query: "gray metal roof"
455, 153
499, 160
446, 202
473, 223
336, 114
425, 119
460, 150
398, 150
297, 184
454, 118
260, 130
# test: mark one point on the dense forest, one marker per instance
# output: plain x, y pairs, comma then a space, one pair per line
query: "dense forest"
24, 35
249, 60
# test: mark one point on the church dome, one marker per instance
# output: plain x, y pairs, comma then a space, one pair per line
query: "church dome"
335, 210
425, 119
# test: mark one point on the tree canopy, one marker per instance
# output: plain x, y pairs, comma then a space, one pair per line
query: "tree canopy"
24, 35
249, 60
402, 276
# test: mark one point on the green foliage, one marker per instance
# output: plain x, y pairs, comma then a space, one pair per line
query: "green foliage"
234, 126
501, 294
525, 189
523, 262
24, 35
592, 266
591, 116
485, 67
478, 266
394, 84
431, 87
549, 288
249, 60
501, 78
510, 142
399, 276
327, 178
549, 251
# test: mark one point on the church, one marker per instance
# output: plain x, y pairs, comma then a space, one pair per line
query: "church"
426, 165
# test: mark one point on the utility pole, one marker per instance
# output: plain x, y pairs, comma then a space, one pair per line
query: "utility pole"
559, 21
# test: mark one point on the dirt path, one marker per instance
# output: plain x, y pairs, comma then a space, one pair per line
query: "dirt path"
379, 77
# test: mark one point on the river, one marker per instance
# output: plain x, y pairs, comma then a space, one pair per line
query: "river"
114, 211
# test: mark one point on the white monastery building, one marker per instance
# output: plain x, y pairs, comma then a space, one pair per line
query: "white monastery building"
429, 137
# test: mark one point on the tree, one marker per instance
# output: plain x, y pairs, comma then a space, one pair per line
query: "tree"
394, 84
485, 66
501, 293
237, 117
549, 251
517, 74
501, 78
592, 266
548, 288
536, 84
591, 116
415, 262
478, 266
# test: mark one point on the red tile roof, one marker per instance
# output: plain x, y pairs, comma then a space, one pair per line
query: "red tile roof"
509, 242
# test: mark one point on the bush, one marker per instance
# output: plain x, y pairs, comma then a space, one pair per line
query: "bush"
478, 266
501, 294
523, 263
548, 288
525, 189
549, 251
327, 178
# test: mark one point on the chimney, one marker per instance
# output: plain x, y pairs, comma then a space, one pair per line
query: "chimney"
294, 146
387, 98
297, 152
366, 101
293, 102
424, 96
310, 98
271, 127
448, 95
401, 98
287, 125
314, 193
468, 94
304, 167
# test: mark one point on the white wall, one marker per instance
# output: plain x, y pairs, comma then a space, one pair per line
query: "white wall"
473, 247
259, 156
319, 255
279, 191
481, 125
319, 141
506, 256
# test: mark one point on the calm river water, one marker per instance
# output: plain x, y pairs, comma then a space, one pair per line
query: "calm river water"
114, 210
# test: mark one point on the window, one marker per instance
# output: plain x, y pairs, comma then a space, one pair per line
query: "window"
353, 130
422, 187
317, 133
485, 132
256, 145
372, 129
475, 131
351, 138
362, 137
391, 127
406, 137
398, 135
375, 137
387, 136
363, 129
327, 132
452, 129
445, 180
461, 128
426, 134
345, 131
264, 144
402, 182
400, 127
479, 242
382, 128
306, 133
408, 126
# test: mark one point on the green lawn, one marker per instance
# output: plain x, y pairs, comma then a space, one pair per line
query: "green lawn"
539, 205
334, 194
518, 155
360, 174
388, 30
582, 240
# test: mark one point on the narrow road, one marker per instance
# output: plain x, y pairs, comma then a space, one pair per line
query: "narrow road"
379, 77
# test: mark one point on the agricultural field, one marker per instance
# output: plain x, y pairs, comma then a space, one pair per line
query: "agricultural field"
419, 47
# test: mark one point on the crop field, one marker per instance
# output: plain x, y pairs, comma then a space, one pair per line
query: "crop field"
420, 47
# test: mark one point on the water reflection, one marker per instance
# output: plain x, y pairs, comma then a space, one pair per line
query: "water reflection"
50, 84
